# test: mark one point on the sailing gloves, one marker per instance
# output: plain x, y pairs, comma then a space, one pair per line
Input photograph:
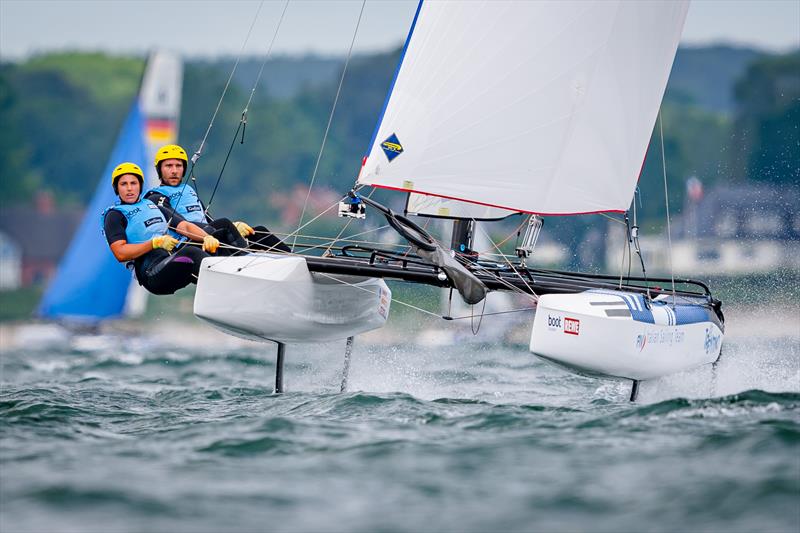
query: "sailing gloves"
244, 229
210, 244
164, 241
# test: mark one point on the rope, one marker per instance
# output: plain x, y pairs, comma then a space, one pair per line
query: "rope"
198, 153
520, 310
243, 121
532, 294
345, 239
371, 292
501, 243
472, 327
329, 244
626, 252
255, 260
330, 120
666, 197
349, 220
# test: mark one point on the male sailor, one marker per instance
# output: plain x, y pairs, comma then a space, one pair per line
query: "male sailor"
171, 162
137, 232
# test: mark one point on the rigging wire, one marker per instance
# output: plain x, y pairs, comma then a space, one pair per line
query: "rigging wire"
330, 118
473, 328
349, 220
348, 239
626, 253
666, 198
425, 311
511, 265
198, 153
243, 121
516, 232
258, 260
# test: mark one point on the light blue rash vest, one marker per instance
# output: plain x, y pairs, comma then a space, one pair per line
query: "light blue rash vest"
184, 200
145, 221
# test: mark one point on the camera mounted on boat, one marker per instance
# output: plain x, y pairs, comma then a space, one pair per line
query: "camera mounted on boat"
352, 206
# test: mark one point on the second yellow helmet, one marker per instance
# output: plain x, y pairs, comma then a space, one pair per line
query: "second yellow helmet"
170, 151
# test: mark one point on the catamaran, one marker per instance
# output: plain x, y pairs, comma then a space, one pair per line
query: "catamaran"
498, 109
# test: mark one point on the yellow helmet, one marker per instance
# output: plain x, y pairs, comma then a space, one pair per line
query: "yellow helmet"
170, 151
126, 168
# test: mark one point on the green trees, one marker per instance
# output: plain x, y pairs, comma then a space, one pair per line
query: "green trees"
61, 112
60, 115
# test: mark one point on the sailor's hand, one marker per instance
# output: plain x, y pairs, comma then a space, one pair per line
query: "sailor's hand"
210, 244
244, 229
166, 242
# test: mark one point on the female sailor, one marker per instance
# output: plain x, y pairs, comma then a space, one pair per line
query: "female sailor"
137, 232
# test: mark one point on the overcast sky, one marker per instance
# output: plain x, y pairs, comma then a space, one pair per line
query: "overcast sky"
213, 27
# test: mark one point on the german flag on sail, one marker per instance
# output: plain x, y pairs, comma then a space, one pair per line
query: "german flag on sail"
160, 131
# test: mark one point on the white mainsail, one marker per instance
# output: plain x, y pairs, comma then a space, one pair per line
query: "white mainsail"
541, 107
434, 206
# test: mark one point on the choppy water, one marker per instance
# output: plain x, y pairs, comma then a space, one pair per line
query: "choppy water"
98, 436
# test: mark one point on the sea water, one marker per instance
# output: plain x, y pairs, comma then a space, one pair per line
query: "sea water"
136, 432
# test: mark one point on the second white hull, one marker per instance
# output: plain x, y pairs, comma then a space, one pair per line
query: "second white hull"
605, 333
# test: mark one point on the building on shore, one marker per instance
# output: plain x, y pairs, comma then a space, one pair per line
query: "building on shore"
731, 230
40, 235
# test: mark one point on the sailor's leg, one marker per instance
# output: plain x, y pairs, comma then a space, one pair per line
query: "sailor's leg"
224, 230
348, 349
265, 240
279, 368
173, 272
634, 390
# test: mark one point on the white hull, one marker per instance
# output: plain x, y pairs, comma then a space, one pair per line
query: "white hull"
607, 333
275, 297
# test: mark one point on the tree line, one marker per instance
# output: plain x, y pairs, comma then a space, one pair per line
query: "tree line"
60, 114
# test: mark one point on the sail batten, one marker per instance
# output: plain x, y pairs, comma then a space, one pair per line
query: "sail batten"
536, 107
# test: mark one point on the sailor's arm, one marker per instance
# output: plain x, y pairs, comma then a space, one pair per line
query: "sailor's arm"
114, 229
190, 230
125, 251
196, 233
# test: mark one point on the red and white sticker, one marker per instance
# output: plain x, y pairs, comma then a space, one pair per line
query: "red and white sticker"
572, 326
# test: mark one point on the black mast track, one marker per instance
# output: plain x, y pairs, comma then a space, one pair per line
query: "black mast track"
496, 276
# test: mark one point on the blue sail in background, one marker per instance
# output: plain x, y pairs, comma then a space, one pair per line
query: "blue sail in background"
91, 285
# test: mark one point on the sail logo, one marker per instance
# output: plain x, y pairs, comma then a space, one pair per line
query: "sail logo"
392, 147
572, 326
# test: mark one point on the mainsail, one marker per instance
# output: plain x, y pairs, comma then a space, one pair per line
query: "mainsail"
90, 284
539, 107
437, 207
